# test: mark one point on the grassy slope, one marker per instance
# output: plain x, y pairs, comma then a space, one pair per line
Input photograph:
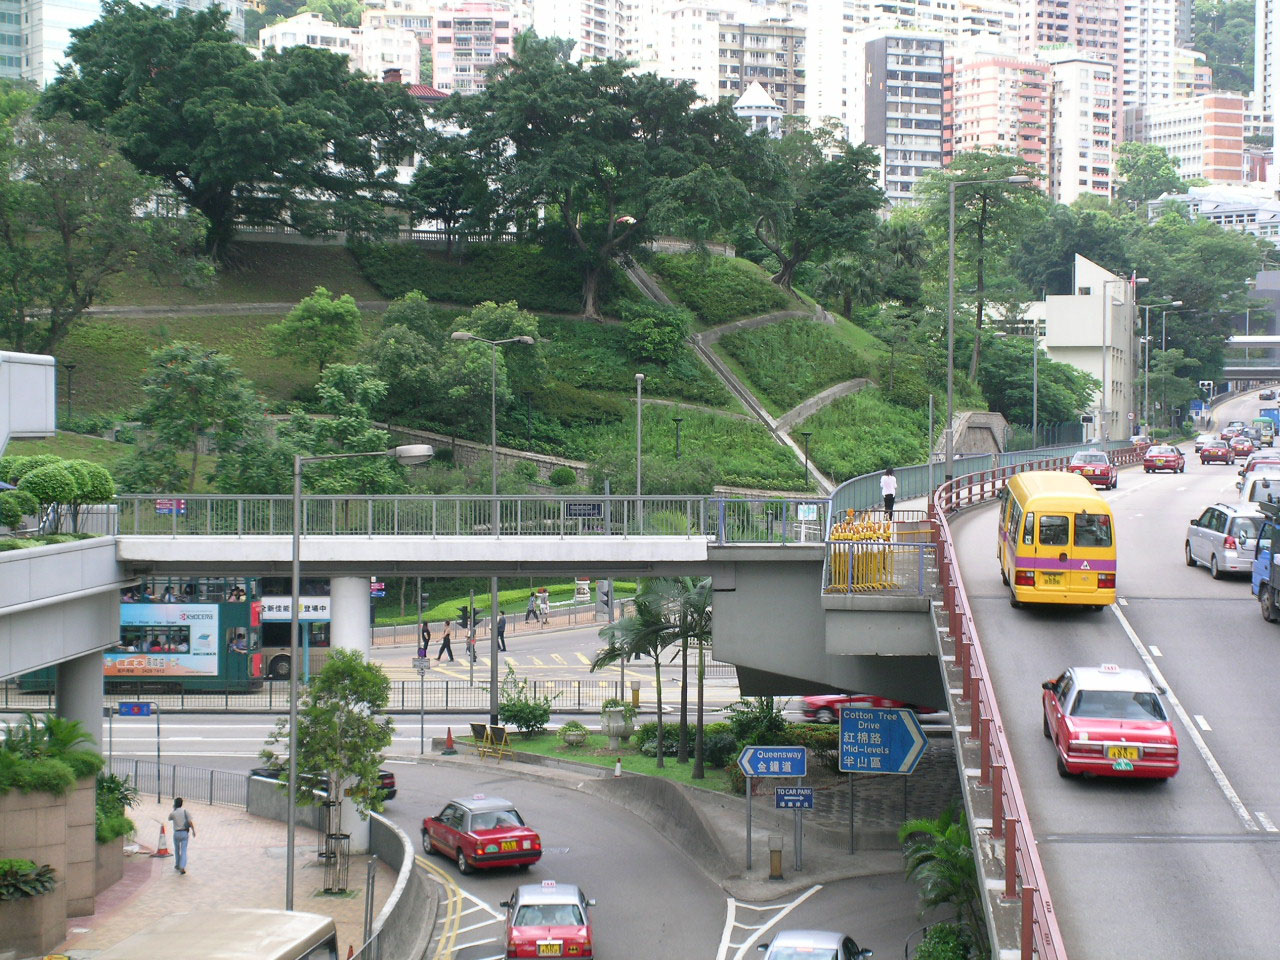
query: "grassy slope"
75, 446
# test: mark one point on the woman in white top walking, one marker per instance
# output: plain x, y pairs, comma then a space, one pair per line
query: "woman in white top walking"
889, 489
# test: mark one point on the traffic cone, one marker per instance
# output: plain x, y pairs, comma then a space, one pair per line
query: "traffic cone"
163, 849
448, 750
617, 768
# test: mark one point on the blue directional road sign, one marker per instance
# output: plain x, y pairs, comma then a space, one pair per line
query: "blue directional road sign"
135, 709
793, 798
773, 761
879, 740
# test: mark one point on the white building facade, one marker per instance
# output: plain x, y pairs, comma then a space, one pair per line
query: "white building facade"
1082, 121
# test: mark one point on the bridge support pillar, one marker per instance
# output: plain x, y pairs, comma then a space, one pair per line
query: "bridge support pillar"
350, 630
79, 693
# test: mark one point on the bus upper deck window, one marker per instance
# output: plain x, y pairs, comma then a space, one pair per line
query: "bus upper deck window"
1054, 531
1093, 530
1029, 530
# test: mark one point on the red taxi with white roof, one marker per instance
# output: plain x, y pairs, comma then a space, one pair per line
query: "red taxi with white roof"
1241, 445
481, 832
1109, 721
1164, 457
1096, 467
549, 919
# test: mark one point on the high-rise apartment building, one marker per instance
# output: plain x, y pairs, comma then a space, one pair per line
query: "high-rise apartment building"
1093, 27
378, 51
415, 15
1204, 134
768, 54
466, 39
1082, 119
1152, 34
896, 105
999, 104
598, 28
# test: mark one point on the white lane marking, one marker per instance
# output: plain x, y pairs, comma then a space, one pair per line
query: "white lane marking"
754, 931
1203, 723
728, 929
1203, 748
742, 950
1267, 825
1155, 651
1120, 600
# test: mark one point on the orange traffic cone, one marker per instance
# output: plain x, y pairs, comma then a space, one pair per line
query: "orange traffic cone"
617, 768
448, 750
162, 850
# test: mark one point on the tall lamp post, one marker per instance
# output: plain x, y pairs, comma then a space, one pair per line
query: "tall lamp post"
1164, 315
70, 368
806, 434
639, 428
1146, 309
1108, 317
406, 455
951, 306
678, 421
494, 613
1146, 379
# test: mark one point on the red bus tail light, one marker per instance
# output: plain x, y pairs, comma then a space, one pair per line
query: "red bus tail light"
1106, 581
1025, 578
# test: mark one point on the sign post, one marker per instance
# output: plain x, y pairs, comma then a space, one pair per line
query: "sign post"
770, 762
144, 709
422, 665
878, 740
799, 799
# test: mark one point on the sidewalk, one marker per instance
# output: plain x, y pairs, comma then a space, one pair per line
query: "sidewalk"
581, 617
235, 860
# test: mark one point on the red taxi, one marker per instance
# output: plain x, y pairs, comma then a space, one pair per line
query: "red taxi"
825, 707
1108, 721
481, 832
1096, 467
548, 919
1164, 458
1217, 451
1241, 446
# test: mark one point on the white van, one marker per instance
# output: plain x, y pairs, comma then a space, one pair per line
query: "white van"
1261, 487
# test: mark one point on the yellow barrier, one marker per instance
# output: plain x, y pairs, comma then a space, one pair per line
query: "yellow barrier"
870, 564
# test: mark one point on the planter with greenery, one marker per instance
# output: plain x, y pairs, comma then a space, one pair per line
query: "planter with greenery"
114, 796
573, 734
32, 918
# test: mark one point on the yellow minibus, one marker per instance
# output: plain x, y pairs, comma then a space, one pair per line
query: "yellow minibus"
232, 934
1056, 541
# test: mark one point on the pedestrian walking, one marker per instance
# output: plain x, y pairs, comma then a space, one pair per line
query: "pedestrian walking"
425, 643
532, 609
445, 637
889, 488
544, 607
502, 632
183, 829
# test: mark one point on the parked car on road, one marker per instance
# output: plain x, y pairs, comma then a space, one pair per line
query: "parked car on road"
386, 779
812, 945
1267, 395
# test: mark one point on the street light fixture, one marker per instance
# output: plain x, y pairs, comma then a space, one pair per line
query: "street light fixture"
951, 304
70, 368
639, 430
494, 613
806, 434
406, 455
678, 421
1146, 309
1146, 380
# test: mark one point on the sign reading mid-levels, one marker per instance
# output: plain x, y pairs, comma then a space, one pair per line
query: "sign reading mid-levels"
880, 740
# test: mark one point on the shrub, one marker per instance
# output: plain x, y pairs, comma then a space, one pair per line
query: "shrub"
719, 749
517, 707
757, 721
572, 727
943, 941
719, 289
16, 504
563, 477
791, 360
525, 471
22, 878
646, 736
114, 796
655, 332
822, 741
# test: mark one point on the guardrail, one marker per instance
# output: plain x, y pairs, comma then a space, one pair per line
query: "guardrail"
726, 520
879, 566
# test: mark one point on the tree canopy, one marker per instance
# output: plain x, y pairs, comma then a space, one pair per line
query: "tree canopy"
294, 138
1145, 171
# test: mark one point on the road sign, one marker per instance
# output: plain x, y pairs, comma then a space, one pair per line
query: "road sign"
793, 798
593, 510
774, 761
377, 588
422, 665
169, 505
135, 709
1197, 406
1131, 412
879, 740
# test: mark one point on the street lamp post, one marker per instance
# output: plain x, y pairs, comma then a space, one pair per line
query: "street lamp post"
806, 434
1146, 380
639, 428
407, 455
70, 368
951, 305
1146, 309
1164, 315
678, 421
494, 613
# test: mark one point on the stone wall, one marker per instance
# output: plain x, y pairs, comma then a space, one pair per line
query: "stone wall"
467, 453
81, 847
33, 826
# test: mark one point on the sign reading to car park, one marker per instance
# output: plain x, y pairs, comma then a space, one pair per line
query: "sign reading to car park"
793, 798
773, 761
880, 740
593, 510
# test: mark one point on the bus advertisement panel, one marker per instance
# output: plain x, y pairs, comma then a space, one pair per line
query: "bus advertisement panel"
165, 640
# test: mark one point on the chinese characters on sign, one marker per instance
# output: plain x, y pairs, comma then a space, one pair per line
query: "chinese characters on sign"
878, 740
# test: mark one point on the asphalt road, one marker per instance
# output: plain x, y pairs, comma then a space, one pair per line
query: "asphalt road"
1182, 869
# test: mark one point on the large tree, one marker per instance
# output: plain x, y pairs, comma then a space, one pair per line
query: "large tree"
294, 138
823, 207
991, 217
449, 188
1145, 171
601, 147
74, 214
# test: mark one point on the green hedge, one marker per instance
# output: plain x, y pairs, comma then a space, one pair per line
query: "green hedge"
719, 289
789, 361
499, 272
864, 432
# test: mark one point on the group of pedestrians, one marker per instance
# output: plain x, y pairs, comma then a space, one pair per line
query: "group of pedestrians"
446, 640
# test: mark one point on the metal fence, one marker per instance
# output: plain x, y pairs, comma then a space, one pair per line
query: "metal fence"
869, 566
191, 783
762, 520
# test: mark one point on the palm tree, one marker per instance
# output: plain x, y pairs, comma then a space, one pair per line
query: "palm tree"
902, 242
939, 855
686, 602
851, 279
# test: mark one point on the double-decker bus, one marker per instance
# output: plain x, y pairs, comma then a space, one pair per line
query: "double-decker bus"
190, 634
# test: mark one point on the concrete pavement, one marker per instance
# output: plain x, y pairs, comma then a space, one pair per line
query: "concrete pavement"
234, 860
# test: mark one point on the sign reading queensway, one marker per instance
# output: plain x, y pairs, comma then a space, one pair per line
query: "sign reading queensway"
773, 761
879, 740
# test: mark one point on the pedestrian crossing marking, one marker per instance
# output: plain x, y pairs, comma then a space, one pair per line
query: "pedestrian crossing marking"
584, 658
559, 659
537, 662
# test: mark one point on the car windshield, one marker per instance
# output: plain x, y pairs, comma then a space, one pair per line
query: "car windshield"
1090, 458
549, 915
1162, 452
494, 819
803, 953
1093, 530
1117, 705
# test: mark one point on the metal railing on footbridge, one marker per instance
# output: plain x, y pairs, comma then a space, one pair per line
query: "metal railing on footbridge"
723, 520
